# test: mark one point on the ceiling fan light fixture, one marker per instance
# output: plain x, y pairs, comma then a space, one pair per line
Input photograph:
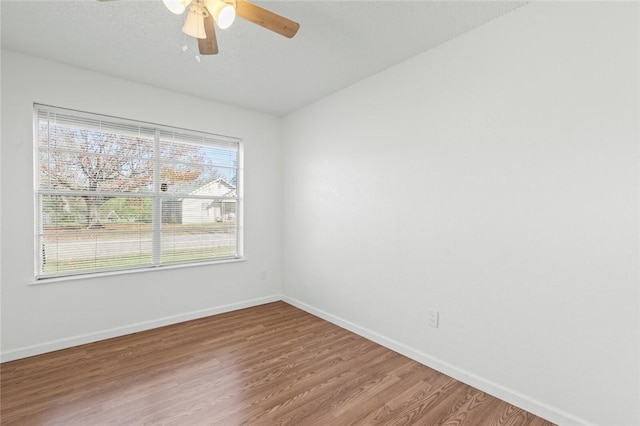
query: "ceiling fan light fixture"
176, 6
224, 13
194, 24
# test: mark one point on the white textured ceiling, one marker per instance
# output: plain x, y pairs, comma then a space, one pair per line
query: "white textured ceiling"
339, 43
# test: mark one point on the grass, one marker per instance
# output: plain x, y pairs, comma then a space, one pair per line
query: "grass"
118, 230
126, 261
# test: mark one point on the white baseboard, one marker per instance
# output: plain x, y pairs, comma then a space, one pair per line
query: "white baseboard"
518, 399
532, 405
82, 339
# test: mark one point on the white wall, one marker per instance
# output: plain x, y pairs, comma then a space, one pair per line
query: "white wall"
494, 179
36, 318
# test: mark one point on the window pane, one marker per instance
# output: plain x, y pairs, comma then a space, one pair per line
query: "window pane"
196, 228
100, 162
186, 167
69, 244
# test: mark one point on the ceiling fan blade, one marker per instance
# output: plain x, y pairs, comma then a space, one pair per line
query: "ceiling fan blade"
266, 19
209, 45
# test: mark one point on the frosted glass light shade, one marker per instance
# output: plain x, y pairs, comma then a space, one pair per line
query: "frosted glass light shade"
176, 6
194, 25
223, 13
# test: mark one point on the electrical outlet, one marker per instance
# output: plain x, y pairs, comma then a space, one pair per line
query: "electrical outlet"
434, 318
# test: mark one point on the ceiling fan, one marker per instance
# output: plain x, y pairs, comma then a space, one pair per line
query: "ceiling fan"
202, 14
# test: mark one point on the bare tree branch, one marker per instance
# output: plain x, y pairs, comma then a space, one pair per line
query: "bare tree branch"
99, 162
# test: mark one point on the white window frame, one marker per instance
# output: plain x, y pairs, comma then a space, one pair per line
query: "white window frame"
156, 196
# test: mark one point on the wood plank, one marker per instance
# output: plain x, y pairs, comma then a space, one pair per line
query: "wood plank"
271, 364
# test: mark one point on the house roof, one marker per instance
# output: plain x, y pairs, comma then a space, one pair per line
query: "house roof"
218, 187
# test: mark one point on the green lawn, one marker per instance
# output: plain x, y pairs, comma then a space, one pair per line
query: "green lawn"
137, 260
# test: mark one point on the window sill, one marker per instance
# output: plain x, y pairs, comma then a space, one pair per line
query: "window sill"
89, 276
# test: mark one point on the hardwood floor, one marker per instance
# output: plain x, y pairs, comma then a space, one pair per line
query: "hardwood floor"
269, 365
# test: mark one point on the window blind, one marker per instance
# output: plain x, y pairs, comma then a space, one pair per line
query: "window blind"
115, 194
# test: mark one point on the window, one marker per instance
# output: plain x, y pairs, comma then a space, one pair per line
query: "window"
114, 194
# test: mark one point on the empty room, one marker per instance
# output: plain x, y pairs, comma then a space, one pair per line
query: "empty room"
226, 212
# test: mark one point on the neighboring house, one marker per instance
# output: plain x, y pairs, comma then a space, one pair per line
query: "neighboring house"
222, 209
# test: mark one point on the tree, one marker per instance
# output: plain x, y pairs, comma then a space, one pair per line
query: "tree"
97, 165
